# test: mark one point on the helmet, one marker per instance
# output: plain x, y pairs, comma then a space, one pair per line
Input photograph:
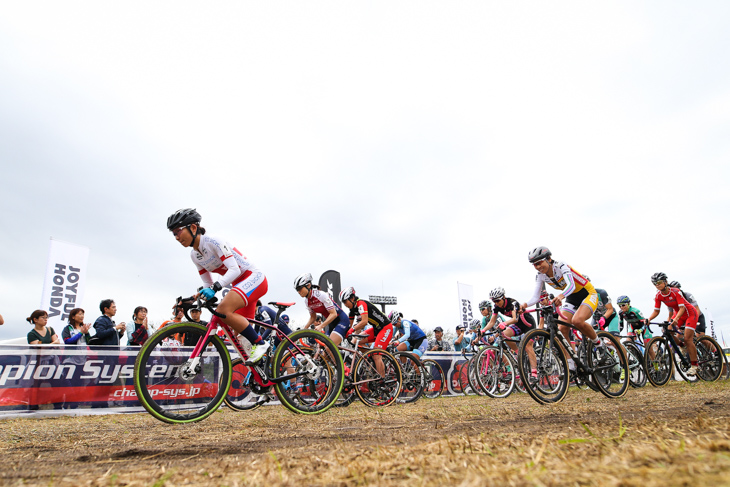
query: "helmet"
302, 280
485, 305
183, 218
538, 253
623, 300
347, 294
394, 316
675, 284
657, 277
475, 324
496, 294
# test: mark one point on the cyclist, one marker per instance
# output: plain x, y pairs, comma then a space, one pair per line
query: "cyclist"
380, 331
412, 338
267, 315
485, 308
701, 324
317, 301
213, 255
578, 293
605, 316
517, 323
638, 325
683, 314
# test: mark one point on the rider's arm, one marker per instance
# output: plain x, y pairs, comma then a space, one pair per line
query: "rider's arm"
330, 318
569, 282
492, 321
405, 332
361, 324
539, 286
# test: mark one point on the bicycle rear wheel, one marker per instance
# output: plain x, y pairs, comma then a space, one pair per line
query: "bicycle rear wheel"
710, 359
172, 387
320, 368
413, 377
463, 378
637, 373
373, 388
683, 366
551, 384
612, 378
241, 395
435, 379
658, 361
496, 372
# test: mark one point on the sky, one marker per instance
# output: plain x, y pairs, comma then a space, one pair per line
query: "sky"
408, 145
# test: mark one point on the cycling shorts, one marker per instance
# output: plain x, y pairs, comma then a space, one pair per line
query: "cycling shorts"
418, 346
383, 337
701, 325
580, 298
251, 289
340, 325
689, 318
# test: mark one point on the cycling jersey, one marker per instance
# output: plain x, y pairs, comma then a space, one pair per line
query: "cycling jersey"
376, 318
525, 321
409, 330
485, 321
215, 255
675, 300
612, 324
267, 315
574, 286
320, 302
637, 323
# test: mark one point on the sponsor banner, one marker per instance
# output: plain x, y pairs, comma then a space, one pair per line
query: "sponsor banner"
65, 281
466, 303
54, 381
330, 283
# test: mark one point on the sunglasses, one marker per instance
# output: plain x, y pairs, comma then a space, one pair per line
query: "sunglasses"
176, 232
623, 304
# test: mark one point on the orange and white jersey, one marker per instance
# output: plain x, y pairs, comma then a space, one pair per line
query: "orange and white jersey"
565, 279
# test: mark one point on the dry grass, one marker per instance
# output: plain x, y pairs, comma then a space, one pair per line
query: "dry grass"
678, 435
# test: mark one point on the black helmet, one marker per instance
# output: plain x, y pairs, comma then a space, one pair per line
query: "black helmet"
657, 277
675, 284
183, 218
539, 253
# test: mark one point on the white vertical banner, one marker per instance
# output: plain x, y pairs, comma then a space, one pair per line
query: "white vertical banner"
466, 300
65, 282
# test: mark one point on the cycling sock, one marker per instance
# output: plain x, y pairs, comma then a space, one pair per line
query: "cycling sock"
250, 334
598, 342
694, 364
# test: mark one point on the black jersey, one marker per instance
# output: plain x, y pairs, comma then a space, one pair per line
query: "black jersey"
525, 321
375, 316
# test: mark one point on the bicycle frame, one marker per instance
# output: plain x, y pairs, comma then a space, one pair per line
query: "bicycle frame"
552, 323
669, 337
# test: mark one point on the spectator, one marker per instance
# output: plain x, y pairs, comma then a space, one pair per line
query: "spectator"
138, 332
177, 318
108, 332
195, 317
76, 332
462, 341
41, 334
438, 344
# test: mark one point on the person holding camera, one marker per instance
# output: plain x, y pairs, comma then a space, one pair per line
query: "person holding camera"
438, 344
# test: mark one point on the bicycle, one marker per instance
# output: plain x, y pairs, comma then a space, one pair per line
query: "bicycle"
553, 375
413, 376
634, 345
177, 382
434, 377
362, 379
663, 354
496, 367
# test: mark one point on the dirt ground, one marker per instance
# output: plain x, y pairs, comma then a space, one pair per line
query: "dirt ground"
677, 435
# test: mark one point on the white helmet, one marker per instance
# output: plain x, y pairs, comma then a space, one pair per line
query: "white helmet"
496, 294
394, 316
475, 324
347, 294
302, 280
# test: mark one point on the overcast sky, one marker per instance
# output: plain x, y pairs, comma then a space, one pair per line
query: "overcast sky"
409, 145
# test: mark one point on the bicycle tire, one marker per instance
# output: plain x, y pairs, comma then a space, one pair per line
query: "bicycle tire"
471, 375
553, 376
173, 388
413, 380
710, 358
317, 390
463, 378
612, 379
241, 395
659, 368
682, 368
496, 372
637, 373
374, 389
435, 379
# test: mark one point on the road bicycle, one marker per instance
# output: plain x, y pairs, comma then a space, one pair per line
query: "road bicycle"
663, 355
609, 373
183, 372
635, 349
496, 366
361, 376
434, 377
413, 374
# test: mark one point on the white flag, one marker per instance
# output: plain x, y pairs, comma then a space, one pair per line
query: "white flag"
466, 298
65, 282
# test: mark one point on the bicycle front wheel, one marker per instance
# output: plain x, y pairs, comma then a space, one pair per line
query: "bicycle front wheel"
658, 361
637, 373
495, 372
174, 388
375, 387
435, 379
710, 358
317, 370
413, 377
551, 384
612, 377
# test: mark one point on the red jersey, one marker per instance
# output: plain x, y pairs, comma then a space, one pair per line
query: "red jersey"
673, 300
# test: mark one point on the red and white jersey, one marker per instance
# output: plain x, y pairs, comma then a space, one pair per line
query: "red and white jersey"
673, 300
320, 302
216, 256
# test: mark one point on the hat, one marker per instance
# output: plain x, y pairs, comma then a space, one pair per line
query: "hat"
285, 318
438, 328
460, 327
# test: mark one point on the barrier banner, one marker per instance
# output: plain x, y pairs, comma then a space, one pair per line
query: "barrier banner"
466, 300
65, 281
52, 380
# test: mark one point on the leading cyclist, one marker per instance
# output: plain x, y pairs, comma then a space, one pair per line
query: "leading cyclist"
212, 255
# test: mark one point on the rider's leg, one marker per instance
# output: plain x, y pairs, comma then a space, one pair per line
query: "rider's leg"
230, 304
